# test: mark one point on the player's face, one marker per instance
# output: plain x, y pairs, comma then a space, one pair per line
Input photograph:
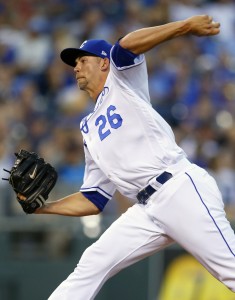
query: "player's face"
86, 71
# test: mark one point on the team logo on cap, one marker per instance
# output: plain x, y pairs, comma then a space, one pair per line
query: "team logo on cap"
83, 44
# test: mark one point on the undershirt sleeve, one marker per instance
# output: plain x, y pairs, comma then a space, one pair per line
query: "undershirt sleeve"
96, 198
122, 57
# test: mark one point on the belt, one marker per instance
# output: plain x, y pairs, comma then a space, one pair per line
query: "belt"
145, 193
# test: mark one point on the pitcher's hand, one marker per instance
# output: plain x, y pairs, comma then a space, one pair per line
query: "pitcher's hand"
203, 25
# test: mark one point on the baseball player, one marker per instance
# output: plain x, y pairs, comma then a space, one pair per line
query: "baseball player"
129, 147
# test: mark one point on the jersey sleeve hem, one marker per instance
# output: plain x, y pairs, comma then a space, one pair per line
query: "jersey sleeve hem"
96, 189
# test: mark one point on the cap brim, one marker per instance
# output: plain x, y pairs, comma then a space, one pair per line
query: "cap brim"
70, 55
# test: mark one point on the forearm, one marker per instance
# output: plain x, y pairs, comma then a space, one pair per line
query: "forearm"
144, 39
72, 205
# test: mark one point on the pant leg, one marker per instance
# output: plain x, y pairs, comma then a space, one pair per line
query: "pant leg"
129, 239
190, 210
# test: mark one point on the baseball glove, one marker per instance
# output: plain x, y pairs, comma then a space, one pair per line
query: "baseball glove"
32, 178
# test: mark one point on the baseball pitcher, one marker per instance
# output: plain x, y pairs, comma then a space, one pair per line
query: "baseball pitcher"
129, 147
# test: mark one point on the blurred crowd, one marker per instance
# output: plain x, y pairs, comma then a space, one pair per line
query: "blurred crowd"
191, 81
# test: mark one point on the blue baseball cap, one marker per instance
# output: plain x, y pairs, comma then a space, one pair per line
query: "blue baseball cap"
98, 48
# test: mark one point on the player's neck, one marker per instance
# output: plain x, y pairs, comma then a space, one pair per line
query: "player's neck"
95, 92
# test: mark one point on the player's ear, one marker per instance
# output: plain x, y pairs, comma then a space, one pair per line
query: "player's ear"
104, 64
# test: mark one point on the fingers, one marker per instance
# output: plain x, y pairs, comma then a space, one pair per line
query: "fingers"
205, 26
214, 27
210, 19
212, 23
21, 197
216, 24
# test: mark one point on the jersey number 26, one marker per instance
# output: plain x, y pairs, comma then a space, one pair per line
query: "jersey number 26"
114, 121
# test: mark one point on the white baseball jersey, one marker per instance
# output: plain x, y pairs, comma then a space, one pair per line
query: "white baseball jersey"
127, 141
127, 144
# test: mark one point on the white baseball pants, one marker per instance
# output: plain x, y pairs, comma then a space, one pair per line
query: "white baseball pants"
187, 209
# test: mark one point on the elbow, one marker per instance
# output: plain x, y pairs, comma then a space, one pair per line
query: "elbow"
96, 211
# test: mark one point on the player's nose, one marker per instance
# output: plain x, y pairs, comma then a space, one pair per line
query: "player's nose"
77, 67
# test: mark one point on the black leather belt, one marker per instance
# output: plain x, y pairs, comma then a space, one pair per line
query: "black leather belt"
145, 193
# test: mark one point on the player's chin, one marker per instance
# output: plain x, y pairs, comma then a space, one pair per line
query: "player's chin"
82, 85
